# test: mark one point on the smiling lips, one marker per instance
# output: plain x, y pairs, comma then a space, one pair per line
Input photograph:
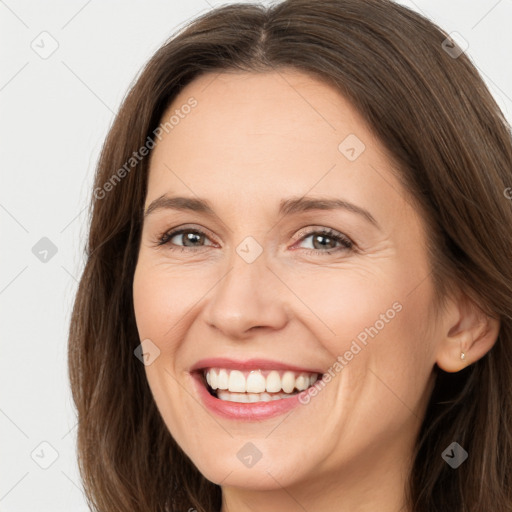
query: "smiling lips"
251, 390
256, 385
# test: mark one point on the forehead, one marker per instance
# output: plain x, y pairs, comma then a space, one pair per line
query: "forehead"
263, 135
285, 110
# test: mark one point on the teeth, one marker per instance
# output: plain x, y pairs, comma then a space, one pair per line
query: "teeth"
288, 382
223, 379
273, 382
237, 382
302, 382
255, 382
213, 379
246, 398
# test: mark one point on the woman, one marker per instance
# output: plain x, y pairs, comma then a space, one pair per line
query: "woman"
297, 293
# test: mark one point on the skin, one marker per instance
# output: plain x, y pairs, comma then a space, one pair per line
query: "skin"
251, 141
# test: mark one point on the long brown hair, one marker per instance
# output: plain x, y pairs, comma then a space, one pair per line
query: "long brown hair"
452, 148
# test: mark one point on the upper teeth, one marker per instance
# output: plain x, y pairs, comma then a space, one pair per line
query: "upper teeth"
256, 381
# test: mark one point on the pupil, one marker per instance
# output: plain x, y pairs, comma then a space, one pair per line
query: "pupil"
319, 237
190, 237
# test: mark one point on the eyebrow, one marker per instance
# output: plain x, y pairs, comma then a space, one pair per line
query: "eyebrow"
287, 207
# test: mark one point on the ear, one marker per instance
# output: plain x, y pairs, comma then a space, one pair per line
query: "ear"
468, 330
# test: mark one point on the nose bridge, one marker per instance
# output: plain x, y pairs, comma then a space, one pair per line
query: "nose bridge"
248, 295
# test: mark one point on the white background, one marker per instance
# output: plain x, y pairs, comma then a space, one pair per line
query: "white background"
55, 113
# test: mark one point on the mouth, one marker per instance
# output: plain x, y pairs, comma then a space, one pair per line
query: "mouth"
257, 385
251, 390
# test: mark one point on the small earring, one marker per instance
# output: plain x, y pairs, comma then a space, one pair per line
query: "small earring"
463, 356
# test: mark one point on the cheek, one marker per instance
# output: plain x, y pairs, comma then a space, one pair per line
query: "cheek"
342, 302
387, 307
392, 351
378, 323
161, 301
158, 309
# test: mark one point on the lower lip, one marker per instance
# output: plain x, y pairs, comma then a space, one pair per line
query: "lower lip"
243, 411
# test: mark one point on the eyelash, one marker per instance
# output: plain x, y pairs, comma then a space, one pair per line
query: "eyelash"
347, 244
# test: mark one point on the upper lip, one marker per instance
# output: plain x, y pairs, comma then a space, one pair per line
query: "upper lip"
249, 364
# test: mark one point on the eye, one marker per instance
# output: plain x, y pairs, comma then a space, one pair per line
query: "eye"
321, 239
190, 237
327, 238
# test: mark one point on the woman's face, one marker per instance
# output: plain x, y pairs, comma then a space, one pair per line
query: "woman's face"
264, 290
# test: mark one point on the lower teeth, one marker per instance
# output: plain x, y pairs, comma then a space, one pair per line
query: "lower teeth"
229, 396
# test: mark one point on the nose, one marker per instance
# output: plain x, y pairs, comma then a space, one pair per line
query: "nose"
247, 298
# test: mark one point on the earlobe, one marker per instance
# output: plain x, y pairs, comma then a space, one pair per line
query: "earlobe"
454, 355
468, 339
